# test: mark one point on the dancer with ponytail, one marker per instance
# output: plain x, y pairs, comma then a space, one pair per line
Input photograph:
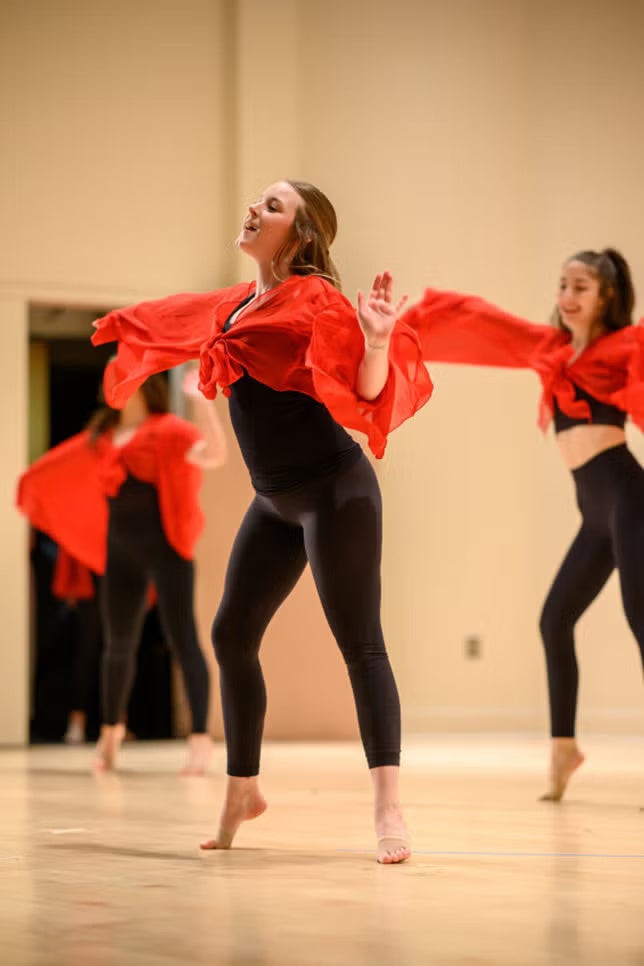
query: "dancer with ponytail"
298, 366
591, 367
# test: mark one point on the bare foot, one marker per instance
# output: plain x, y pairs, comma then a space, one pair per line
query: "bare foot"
199, 751
393, 838
243, 802
75, 734
107, 748
564, 760
391, 831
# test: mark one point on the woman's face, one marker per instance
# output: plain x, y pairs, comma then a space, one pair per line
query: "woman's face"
269, 221
579, 301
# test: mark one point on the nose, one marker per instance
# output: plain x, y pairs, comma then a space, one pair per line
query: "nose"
252, 209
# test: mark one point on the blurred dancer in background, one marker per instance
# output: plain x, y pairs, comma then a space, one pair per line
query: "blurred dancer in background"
122, 499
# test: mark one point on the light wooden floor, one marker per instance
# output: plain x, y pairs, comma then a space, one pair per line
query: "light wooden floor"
105, 872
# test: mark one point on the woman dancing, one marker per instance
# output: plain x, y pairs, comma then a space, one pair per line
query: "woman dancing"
591, 366
298, 366
122, 498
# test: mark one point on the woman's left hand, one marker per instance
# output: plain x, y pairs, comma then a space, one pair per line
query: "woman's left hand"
377, 311
190, 384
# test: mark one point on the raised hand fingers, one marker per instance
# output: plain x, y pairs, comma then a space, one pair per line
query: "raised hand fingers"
388, 286
400, 305
383, 287
376, 287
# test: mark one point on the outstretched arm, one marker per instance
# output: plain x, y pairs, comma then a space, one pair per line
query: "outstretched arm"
377, 314
156, 335
211, 451
466, 329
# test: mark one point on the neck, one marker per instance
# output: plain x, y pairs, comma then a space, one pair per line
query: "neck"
268, 279
581, 340
133, 414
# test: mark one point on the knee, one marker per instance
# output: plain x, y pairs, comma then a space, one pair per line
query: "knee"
231, 641
554, 625
634, 610
359, 654
221, 637
118, 647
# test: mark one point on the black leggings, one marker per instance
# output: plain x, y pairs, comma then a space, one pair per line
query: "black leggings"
138, 554
87, 650
610, 496
336, 524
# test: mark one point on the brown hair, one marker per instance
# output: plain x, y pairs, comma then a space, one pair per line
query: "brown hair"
314, 228
611, 270
155, 395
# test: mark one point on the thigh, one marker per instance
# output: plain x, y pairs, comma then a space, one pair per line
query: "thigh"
173, 578
628, 540
123, 593
581, 576
344, 546
266, 561
89, 634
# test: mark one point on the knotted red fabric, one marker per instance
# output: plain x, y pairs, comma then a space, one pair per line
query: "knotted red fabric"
301, 336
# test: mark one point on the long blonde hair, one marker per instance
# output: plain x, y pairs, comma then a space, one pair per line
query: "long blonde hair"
314, 229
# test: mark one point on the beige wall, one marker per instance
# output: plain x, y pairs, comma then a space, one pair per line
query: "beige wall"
14, 641
468, 144
586, 183
120, 149
136, 129
504, 137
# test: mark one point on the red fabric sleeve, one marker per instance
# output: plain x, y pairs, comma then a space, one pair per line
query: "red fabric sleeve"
72, 579
612, 369
302, 336
157, 335
62, 495
465, 329
179, 485
334, 356
632, 399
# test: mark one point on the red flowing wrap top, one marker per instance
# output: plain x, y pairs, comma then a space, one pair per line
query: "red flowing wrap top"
72, 579
465, 329
64, 493
302, 336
